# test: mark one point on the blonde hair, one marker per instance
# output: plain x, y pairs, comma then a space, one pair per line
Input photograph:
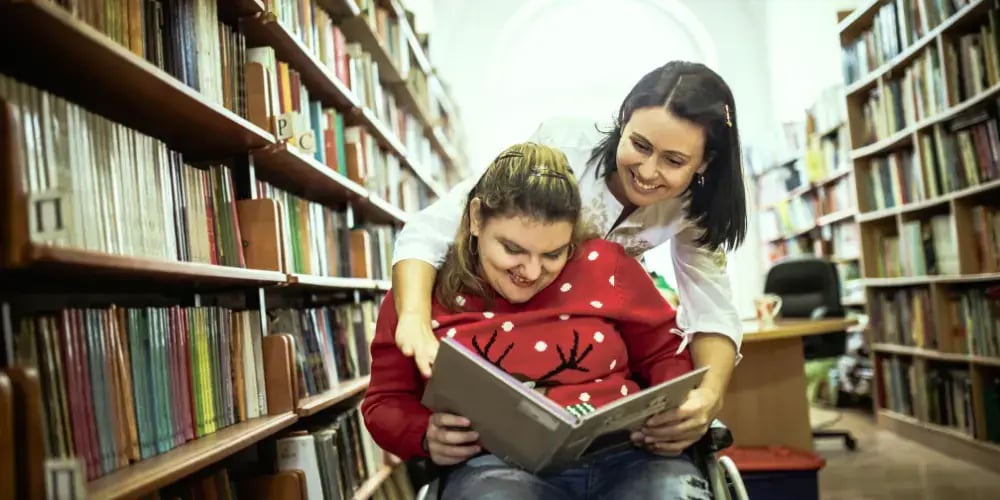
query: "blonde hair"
526, 180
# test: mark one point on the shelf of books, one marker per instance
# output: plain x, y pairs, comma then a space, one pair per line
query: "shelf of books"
198, 200
923, 99
805, 194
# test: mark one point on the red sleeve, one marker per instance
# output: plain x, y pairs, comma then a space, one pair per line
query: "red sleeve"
391, 408
645, 322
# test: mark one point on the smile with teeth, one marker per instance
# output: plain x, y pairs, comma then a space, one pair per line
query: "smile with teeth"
519, 281
642, 186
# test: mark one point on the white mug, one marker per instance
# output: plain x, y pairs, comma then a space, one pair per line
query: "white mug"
768, 306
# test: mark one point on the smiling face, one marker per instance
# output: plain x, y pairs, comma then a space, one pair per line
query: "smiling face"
519, 256
658, 156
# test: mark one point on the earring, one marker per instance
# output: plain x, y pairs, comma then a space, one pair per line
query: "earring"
472, 245
700, 179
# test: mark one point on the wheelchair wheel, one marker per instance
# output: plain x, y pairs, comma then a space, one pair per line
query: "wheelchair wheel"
734, 480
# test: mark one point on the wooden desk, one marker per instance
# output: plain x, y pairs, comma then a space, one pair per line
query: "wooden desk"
766, 402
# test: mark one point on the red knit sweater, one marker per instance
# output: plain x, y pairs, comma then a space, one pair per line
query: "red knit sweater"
600, 327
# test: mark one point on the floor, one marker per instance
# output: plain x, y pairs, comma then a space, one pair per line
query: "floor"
887, 467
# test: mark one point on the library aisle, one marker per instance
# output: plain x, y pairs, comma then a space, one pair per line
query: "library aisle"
889, 467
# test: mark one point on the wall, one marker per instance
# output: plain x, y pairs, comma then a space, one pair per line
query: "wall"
803, 51
511, 63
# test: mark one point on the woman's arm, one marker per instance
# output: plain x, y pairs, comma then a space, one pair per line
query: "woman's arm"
420, 249
707, 310
708, 314
391, 408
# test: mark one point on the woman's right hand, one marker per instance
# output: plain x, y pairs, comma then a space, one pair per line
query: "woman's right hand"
449, 439
415, 338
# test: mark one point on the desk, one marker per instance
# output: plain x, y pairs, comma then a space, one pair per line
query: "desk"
765, 403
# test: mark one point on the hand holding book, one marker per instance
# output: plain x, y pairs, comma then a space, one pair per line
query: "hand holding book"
449, 439
671, 432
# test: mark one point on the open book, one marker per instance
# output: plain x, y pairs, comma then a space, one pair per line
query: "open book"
527, 429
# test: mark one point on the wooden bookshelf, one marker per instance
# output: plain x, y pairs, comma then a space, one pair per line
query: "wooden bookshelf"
232, 10
944, 439
146, 476
341, 392
77, 262
379, 210
804, 201
935, 354
105, 76
120, 85
359, 31
928, 303
331, 282
301, 173
262, 29
340, 9
369, 487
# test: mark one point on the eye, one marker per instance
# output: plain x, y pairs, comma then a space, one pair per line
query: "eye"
555, 255
512, 249
640, 146
677, 162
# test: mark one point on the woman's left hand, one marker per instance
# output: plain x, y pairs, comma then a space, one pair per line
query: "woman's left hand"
671, 432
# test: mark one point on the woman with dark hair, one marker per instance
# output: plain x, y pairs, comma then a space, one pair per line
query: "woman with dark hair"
568, 314
668, 170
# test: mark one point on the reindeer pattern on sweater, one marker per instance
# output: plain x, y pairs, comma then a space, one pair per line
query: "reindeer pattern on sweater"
586, 340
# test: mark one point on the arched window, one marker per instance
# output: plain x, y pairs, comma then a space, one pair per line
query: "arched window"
580, 58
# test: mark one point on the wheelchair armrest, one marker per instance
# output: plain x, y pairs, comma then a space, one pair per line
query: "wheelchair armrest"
716, 439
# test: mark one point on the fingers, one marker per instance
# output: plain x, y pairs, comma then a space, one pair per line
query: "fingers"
666, 418
449, 420
449, 429
404, 345
449, 441
425, 356
691, 407
453, 438
691, 426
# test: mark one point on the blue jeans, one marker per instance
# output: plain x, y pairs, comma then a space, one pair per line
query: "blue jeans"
632, 474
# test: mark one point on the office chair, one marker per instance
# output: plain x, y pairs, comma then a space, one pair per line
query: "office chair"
809, 287
723, 477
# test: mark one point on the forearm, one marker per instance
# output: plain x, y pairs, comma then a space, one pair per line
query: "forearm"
398, 426
718, 352
413, 287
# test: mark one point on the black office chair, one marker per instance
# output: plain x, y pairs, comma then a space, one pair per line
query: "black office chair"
810, 288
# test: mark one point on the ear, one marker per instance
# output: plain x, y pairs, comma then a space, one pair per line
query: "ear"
475, 216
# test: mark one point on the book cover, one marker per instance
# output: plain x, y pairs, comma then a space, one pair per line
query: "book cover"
527, 429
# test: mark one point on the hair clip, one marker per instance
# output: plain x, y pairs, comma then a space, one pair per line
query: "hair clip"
545, 171
729, 119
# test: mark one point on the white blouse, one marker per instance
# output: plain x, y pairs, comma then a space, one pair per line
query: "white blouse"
702, 282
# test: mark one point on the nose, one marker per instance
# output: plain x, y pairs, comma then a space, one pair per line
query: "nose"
648, 169
531, 269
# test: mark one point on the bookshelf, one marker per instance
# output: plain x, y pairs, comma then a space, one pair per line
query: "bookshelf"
205, 235
804, 193
922, 92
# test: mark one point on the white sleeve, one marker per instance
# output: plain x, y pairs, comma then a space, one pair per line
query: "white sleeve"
703, 285
429, 233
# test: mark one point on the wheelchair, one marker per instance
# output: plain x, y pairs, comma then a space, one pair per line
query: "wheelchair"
720, 471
